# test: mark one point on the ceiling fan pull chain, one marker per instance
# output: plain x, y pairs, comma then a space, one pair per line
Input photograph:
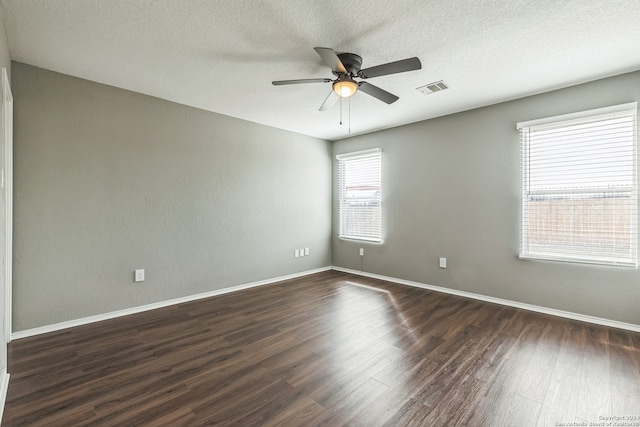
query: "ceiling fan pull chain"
340, 111
349, 115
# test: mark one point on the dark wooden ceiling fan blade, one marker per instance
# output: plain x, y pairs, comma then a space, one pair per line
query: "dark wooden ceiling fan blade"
378, 93
401, 66
299, 81
331, 60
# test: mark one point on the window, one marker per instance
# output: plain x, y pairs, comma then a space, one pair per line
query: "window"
360, 195
579, 187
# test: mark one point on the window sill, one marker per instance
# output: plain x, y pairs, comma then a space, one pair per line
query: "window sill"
612, 263
359, 239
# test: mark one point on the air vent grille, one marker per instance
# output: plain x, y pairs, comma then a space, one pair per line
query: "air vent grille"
432, 87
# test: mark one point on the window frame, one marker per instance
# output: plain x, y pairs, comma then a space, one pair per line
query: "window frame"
577, 193
366, 234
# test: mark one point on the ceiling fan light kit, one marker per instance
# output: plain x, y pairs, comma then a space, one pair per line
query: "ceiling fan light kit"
346, 67
345, 87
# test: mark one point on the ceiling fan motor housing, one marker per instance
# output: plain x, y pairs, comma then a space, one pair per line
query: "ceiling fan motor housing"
351, 62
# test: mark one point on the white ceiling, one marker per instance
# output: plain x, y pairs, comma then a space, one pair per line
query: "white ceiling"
222, 55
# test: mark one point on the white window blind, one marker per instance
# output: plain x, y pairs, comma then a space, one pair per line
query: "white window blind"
360, 195
579, 187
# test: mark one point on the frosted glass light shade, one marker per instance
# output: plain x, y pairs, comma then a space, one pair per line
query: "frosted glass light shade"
345, 88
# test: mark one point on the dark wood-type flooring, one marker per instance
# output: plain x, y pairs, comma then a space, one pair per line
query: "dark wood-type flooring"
327, 349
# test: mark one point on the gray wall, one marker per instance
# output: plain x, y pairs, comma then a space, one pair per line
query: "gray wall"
452, 189
5, 60
107, 181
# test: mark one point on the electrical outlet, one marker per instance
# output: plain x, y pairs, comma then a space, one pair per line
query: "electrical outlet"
361, 251
138, 276
443, 263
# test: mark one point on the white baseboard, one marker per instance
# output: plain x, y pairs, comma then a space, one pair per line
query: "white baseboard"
92, 319
515, 304
4, 386
106, 316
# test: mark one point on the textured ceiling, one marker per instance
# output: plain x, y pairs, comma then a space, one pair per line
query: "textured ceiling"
221, 55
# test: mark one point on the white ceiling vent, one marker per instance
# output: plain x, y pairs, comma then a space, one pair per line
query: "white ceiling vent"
432, 87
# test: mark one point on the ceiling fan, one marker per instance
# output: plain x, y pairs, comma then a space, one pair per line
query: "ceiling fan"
346, 67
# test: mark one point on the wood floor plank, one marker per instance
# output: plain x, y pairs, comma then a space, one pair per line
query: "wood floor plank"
347, 381
561, 401
594, 393
517, 411
411, 413
308, 411
327, 349
536, 376
345, 408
